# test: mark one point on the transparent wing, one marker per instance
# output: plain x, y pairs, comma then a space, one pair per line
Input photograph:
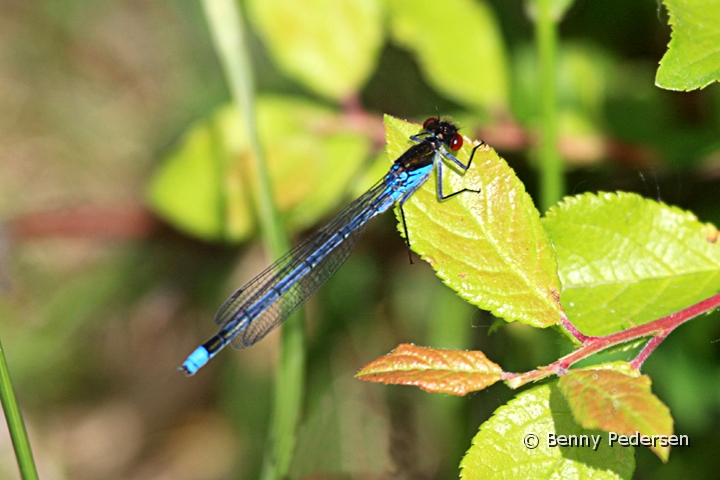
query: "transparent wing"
298, 293
349, 223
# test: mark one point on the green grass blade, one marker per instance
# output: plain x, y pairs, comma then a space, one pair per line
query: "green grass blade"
551, 169
226, 24
16, 426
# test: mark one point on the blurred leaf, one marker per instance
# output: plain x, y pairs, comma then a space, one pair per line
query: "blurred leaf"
625, 260
202, 188
313, 155
454, 372
617, 402
490, 246
558, 8
373, 171
459, 48
693, 57
186, 189
503, 447
330, 46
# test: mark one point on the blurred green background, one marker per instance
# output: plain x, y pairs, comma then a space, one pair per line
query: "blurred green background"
111, 269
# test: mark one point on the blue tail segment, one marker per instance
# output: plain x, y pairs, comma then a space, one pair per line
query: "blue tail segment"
195, 361
270, 298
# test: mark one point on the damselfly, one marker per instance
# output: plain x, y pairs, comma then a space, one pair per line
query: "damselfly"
271, 297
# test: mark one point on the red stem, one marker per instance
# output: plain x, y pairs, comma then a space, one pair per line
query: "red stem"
577, 334
87, 221
659, 329
647, 350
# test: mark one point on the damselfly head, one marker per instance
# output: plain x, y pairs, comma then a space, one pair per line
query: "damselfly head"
445, 131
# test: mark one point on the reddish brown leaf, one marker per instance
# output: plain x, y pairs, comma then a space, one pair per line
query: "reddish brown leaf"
455, 372
618, 403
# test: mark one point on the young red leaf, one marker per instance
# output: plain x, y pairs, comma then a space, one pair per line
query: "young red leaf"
617, 402
455, 372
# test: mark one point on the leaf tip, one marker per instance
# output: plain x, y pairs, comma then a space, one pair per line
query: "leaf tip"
711, 233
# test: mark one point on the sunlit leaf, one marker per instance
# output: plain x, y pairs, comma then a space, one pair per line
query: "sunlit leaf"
455, 372
331, 46
458, 47
488, 246
617, 402
516, 443
203, 187
693, 57
186, 189
625, 260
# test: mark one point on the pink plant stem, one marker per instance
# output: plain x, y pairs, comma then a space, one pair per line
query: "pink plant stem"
579, 336
647, 350
659, 329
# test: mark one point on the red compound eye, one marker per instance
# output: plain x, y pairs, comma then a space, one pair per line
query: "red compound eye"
456, 142
430, 121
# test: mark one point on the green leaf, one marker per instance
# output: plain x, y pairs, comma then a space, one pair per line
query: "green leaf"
330, 46
693, 57
617, 402
202, 188
625, 260
454, 372
312, 153
459, 48
490, 246
186, 190
541, 414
